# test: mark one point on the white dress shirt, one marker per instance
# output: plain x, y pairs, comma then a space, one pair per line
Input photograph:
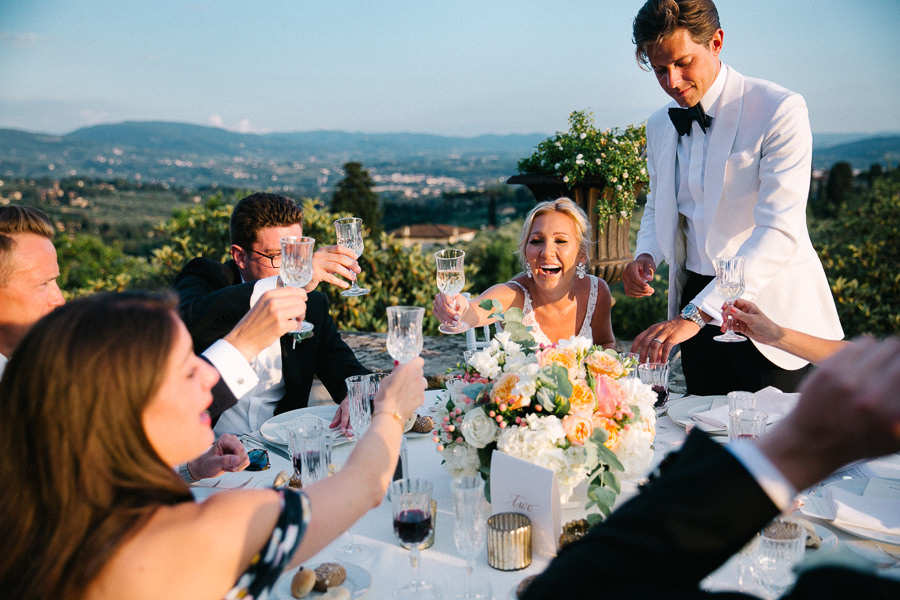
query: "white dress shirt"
689, 172
767, 475
3, 361
258, 385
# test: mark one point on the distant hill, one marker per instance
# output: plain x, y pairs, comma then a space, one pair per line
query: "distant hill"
194, 156
861, 154
308, 163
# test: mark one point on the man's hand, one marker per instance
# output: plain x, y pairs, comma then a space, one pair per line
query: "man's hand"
330, 263
656, 342
227, 454
342, 416
849, 409
276, 313
637, 274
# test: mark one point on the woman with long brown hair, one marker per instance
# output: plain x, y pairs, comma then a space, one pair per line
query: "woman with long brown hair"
99, 403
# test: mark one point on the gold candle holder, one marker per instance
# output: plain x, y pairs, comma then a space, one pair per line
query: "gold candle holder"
509, 541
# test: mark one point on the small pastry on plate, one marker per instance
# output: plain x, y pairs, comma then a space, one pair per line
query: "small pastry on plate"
328, 575
302, 583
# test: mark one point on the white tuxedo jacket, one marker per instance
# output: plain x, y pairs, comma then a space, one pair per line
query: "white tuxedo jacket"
756, 185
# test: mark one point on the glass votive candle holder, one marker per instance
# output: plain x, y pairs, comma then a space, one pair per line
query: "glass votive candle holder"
509, 541
741, 400
746, 424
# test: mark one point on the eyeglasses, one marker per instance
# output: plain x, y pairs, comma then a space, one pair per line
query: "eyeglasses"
274, 259
259, 460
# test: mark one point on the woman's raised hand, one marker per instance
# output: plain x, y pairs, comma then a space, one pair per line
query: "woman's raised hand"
449, 309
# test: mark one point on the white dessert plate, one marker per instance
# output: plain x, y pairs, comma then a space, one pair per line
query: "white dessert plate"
683, 409
357, 583
857, 486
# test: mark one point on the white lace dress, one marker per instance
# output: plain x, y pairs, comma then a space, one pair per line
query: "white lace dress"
539, 336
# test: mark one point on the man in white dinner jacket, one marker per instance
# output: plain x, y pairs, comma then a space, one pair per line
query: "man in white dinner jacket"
730, 165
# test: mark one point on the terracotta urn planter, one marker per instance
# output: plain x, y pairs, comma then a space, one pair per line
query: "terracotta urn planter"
610, 253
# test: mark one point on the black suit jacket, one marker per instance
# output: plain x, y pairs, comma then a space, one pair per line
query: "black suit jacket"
683, 525
212, 300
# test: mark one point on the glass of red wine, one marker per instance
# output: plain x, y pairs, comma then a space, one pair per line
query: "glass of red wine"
411, 503
656, 375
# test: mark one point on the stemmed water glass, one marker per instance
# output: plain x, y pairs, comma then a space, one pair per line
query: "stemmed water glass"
297, 270
411, 504
404, 336
469, 532
358, 395
450, 280
350, 235
729, 285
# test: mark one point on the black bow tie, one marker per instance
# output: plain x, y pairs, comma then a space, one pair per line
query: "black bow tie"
682, 118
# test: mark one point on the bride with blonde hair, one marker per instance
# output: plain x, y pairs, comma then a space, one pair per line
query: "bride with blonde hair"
558, 297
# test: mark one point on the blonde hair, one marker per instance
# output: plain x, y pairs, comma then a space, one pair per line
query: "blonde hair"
567, 207
18, 220
79, 474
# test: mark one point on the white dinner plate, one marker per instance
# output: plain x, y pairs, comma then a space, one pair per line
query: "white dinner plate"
357, 583
857, 486
682, 411
273, 429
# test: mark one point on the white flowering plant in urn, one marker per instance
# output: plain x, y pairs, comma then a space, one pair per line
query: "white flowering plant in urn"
583, 152
569, 407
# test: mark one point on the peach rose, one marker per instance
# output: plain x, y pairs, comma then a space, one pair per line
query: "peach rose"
582, 400
611, 427
578, 429
557, 356
609, 394
501, 393
601, 363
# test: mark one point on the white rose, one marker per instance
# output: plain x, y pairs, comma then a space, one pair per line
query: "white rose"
486, 364
460, 460
478, 429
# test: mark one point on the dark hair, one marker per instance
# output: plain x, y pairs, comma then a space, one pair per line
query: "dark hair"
79, 474
15, 220
259, 211
658, 19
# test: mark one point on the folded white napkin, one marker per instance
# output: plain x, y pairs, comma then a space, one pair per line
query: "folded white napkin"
869, 512
770, 400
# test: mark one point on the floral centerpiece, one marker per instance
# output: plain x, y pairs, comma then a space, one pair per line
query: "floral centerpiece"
582, 152
568, 407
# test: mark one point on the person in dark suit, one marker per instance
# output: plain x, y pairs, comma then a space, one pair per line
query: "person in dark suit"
216, 298
709, 500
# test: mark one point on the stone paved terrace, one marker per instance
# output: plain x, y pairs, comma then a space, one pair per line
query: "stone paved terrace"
441, 353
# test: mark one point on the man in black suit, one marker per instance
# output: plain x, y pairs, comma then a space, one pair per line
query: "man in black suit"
709, 500
214, 297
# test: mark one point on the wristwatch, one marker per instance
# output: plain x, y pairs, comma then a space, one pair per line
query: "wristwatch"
692, 313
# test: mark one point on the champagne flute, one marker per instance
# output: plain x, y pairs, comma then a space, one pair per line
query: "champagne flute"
297, 270
404, 336
469, 533
729, 285
411, 505
358, 388
450, 280
350, 235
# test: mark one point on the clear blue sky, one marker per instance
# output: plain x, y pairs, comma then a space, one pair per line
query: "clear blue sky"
447, 67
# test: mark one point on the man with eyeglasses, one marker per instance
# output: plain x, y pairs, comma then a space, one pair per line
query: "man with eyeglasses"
214, 297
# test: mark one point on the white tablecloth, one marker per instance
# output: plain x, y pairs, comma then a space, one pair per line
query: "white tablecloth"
442, 564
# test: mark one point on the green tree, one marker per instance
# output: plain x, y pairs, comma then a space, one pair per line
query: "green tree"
860, 254
354, 195
838, 188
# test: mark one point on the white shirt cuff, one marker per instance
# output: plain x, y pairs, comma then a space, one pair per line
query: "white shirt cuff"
234, 369
774, 484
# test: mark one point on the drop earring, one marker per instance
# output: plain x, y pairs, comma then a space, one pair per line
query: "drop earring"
528, 270
581, 270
